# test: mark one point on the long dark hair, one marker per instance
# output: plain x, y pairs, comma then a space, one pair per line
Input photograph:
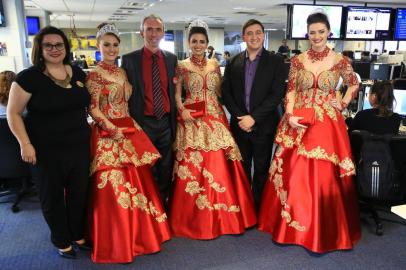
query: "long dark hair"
37, 57
383, 90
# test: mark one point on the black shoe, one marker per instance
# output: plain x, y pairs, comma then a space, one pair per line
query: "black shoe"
85, 246
70, 254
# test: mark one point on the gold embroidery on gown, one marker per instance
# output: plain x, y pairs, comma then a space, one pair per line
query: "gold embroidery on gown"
109, 95
311, 92
208, 133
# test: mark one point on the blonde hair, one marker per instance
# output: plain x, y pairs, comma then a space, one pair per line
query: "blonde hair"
6, 78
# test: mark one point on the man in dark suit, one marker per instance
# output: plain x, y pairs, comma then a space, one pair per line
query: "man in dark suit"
253, 86
151, 72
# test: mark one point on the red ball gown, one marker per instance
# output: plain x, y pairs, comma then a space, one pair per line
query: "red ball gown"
310, 198
127, 217
211, 193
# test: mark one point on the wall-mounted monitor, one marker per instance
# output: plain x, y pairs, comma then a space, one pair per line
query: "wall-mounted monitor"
2, 16
400, 24
33, 25
297, 16
368, 23
97, 56
169, 35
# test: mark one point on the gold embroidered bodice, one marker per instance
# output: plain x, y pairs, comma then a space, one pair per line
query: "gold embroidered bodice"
210, 132
317, 91
110, 91
202, 85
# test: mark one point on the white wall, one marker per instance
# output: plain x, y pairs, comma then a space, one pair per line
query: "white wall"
15, 37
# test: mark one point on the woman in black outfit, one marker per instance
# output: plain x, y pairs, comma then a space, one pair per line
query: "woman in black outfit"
380, 119
55, 135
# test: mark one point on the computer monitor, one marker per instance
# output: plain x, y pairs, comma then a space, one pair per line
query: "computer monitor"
97, 56
400, 104
395, 72
365, 99
379, 72
357, 55
363, 69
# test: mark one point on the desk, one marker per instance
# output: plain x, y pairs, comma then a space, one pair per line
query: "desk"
402, 130
399, 210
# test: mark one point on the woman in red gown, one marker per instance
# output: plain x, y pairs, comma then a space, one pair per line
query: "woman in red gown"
126, 215
211, 194
310, 199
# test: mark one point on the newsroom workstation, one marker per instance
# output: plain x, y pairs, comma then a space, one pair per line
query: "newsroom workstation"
384, 57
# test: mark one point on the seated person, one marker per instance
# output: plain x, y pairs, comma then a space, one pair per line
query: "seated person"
6, 78
284, 48
380, 119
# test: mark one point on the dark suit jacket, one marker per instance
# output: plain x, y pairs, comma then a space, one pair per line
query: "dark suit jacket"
132, 63
267, 91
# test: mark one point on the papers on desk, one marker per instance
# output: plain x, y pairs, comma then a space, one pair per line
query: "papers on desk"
399, 210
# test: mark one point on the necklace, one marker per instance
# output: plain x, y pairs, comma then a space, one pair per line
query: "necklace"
317, 56
200, 63
65, 83
111, 69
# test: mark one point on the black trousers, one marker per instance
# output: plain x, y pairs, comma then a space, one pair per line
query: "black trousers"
255, 147
62, 178
159, 131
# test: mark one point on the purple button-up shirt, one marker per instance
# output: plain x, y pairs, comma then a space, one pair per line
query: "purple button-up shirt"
250, 69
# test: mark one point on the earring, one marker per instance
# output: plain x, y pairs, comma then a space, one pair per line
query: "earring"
307, 35
330, 35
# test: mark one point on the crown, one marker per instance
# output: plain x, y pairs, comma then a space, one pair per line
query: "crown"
108, 28
198, 23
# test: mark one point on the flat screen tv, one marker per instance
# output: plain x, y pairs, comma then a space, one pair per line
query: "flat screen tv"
33, 26
400, 24
368, 23
2, 17
297, 27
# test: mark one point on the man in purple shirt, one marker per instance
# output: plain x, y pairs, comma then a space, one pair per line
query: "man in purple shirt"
253, 86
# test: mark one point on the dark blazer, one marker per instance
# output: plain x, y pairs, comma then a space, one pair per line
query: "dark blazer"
267, 91
132, 63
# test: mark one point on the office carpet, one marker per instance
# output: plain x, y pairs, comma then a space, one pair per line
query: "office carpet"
25, 245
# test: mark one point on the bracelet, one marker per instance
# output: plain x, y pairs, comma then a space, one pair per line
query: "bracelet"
344, 105
288, 116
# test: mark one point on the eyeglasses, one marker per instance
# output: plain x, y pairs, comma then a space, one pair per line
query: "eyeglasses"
57, 46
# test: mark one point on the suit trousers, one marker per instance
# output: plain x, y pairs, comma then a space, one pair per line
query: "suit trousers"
159, 132
256, 149
62, 179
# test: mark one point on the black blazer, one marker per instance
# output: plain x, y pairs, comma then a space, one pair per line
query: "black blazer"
267, 91
132, 63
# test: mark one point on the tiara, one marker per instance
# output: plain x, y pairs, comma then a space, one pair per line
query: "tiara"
108, 28
198, 23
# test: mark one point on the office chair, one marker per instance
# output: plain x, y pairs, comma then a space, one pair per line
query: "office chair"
12, 169
398, 154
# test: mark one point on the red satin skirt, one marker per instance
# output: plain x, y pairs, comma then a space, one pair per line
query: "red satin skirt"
305, 202
127, 217
210, 198
118, 234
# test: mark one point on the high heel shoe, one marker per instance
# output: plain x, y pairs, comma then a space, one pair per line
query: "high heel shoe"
85, 246
69, 254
